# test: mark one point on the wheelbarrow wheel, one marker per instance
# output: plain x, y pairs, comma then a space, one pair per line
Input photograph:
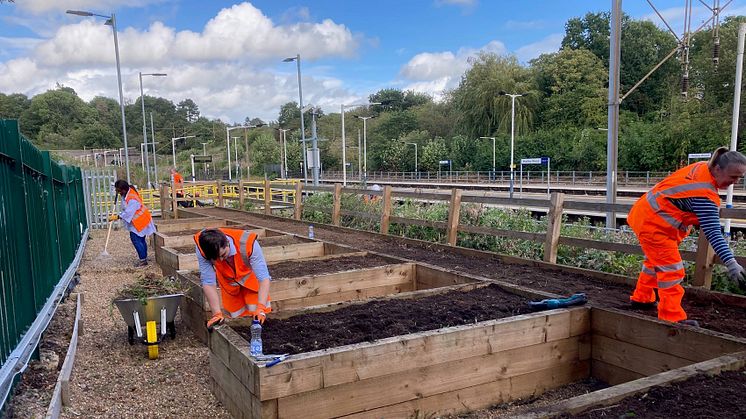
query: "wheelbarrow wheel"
152, 338
130, 335
171, 328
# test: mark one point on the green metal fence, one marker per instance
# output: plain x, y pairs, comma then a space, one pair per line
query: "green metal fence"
42, 221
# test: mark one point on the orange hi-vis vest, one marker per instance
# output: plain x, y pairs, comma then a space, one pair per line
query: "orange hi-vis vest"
142, 216
654, 210
238, 287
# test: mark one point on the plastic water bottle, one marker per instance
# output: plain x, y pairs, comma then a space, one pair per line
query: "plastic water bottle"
256, 338
310, 231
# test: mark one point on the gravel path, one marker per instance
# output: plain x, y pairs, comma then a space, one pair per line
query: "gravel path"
112, 379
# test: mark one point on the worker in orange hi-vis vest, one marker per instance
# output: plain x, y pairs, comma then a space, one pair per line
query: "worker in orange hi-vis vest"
136, 217
234, 260
664, 216
177, 180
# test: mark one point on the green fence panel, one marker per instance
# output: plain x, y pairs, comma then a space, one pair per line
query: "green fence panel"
42, 221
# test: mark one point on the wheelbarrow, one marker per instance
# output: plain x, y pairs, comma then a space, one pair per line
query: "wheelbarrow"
150, 313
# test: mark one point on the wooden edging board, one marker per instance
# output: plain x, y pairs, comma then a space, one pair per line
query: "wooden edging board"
396, 377
612, 395
61, 394
700, 293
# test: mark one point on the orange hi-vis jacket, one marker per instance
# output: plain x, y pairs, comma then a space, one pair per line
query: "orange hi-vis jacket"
654, 212
142, 216
238, 287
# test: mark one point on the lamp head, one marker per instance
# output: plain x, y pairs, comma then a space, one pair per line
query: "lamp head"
159, 74
79, 13
289, 59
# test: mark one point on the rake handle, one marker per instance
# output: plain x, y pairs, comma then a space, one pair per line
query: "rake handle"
106, 246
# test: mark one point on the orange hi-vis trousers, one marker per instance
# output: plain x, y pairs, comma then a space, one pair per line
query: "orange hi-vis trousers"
662, 269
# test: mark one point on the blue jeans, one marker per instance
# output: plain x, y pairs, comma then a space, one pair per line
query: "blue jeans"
140, 245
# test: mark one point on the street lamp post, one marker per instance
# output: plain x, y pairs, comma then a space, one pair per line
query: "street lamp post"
112, 20
155, 156
204, 153
493, 153
173, 146
235, 152
365, 145
144, 125
302, 124
344, 142
283, 134
512, 136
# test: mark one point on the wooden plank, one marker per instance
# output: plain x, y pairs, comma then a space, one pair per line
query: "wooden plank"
483, 396
315, 285
67, 365
418, 222
703, 264
221, 200
267, 197
189, 224
363, 294
298, 204
523, 235
615, 394
233, 351
174, 206
694, 345
411, 384
337, 203
427, 277
612, 374
241, 195
326, 257
194, 316
595, 244
634, 358
554, 224
293, 251
454, 214
386, 212
419, 350
231, 388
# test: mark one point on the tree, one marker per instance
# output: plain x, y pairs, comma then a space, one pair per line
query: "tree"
574, 84
95, 135
12, 106
432, 153
479, 108
263, 151
56, 111
188, 110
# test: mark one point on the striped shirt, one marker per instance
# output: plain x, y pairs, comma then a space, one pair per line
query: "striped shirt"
708, 215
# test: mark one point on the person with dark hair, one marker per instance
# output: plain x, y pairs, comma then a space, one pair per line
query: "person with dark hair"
136, 218
234, 260
663, 217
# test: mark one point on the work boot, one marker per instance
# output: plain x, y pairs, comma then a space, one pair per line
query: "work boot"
635, 305
141, 263
689, 322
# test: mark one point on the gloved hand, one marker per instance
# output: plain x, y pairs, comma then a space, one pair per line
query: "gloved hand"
113, 217
260, 314
736, 273
215, 321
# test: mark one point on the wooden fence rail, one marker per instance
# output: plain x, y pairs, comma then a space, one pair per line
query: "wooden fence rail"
555, 206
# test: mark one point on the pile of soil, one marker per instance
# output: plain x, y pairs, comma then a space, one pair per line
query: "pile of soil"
279, 240
386, 318
717, 317
703, 396
149, 284
292, 269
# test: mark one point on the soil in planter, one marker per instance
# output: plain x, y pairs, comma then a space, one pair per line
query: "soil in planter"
192, 232
32, 395
719, 396
386, 318
711, 315
292, 269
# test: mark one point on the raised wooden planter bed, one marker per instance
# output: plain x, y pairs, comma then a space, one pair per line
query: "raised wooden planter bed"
458, 369
175, 259
293, 295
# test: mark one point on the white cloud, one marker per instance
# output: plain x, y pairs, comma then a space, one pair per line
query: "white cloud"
432, 72
229, 68
549, 44
18, 43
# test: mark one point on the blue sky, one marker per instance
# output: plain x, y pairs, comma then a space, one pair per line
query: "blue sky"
226, 56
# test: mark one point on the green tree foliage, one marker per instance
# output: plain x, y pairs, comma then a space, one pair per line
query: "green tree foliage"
57, 111
265, 150
432, 153
479, 107
188, 110
94, 135
12, 106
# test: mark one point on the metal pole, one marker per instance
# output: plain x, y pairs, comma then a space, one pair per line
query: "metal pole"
303, 127
512, 141
121, 97
155, 156
173, 151
144, 131
493, 156
285, 148
228, 146
359, 155
365, 149
344, 147
191, 156
613, 114
235, 151
736, 110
